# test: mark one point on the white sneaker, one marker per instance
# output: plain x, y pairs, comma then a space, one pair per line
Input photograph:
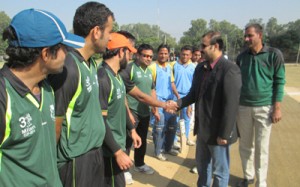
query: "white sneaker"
194, 170
144, 169
128, 177
161, 157
190, 143
176, 146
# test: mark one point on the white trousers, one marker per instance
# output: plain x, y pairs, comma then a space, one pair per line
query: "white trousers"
254, 125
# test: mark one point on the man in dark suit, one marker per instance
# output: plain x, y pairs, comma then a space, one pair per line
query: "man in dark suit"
215, 91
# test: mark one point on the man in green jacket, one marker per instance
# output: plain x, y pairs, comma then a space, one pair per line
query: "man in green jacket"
263, 79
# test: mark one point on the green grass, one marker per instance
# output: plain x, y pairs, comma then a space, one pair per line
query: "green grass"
292, 75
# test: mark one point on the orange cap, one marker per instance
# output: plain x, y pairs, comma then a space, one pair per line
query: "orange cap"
118, 41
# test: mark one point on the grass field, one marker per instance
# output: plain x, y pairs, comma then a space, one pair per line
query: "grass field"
292, 71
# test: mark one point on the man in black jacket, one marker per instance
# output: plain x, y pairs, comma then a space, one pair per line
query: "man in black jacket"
215, 91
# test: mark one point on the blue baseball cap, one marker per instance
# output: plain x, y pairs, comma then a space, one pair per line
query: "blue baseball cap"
39, 28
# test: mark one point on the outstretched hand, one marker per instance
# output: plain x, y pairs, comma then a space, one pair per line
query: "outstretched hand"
171, 106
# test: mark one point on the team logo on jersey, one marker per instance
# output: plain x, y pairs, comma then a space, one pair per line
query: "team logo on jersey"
88, 84
26, 125
138, 74
119, 93
52, 112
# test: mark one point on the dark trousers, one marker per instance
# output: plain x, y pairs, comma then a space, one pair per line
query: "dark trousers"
142, 131
84, 170
114, 176
164, 131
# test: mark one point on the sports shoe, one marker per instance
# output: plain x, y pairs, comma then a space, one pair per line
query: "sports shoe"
190, 143
194, 170
161, 157
176, 146
128, 177
245, 182
144, 169
173, 152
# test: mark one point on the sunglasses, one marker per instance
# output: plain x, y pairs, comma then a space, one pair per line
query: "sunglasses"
248, 35
147, 56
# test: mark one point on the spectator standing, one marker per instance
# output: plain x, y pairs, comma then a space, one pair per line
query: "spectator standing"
138, 76
164, 128
196, 56
183, 75
140, 94
263, 76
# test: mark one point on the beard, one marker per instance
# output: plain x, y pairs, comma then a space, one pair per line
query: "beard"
123, 63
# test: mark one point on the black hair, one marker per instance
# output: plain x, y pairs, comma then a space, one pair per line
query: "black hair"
144, 47
88, 16
128, 35
163, 46
23, 56
258, 28
187, 48
111, 53
196, 49
215, 38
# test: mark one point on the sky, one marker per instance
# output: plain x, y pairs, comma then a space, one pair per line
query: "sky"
173, 16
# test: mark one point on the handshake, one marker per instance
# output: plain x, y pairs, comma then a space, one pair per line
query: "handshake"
171, 106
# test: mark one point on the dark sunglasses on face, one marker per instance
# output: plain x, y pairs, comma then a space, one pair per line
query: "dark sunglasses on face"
248, 35
147, 56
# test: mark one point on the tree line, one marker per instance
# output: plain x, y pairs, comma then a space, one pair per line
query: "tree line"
286, 37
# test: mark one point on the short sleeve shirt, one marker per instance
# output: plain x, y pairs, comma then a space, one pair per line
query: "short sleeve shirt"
76, 92
27, 143
135, 75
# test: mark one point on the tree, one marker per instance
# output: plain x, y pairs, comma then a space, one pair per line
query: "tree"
194, 34
257, 20
4, 22
272, 27
150, 34
115, 27
232, 35
284, 37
